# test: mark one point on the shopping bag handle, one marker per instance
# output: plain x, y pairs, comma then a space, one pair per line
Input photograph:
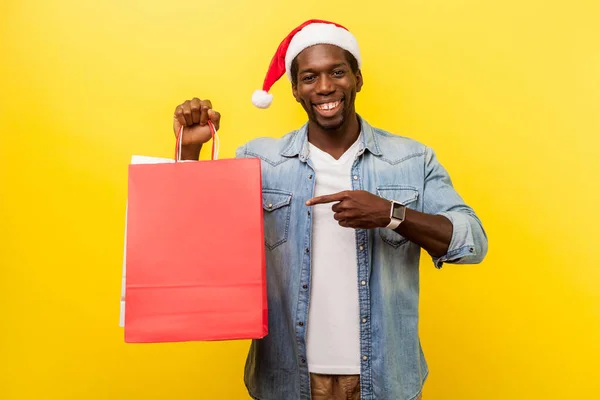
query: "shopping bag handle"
216, 143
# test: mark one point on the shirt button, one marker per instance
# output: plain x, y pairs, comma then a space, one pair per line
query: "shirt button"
365, 358
362, 248
471, 250
304, 286
301, 323
303, 361
364, 320
270, 206
309, 213
355, 177
310, 177
307, 250
364, 283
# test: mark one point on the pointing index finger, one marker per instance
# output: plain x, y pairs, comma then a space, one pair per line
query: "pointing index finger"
328, 198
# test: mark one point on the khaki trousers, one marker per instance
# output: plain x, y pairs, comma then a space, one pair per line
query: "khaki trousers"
336, 387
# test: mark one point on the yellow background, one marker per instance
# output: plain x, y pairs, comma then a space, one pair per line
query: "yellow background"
507, 93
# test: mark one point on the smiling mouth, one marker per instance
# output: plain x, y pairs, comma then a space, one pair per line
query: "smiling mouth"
328, 109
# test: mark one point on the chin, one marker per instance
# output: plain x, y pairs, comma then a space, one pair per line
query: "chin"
330, 124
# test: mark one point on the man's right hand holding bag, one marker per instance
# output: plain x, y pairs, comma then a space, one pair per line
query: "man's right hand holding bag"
193, 115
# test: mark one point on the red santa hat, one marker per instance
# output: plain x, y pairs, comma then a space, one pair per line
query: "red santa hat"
308, 34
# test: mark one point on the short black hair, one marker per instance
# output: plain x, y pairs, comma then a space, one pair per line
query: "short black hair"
349, 57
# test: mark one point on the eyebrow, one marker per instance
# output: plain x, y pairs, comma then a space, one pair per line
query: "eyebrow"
334, 66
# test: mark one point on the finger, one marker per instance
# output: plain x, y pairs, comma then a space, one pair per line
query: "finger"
204, 116
195, 106
328, 198
337, 207
339, 216
215, 117
187, 113
206, 105
348, 223
178, 115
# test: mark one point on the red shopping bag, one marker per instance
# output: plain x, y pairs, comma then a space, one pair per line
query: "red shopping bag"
195, 257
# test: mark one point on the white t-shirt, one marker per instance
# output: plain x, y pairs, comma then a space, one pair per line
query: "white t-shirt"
333, 331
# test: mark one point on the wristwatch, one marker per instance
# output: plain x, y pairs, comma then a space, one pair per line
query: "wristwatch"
397, 214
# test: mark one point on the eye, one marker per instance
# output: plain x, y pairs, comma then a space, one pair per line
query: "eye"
339, 73
308, 78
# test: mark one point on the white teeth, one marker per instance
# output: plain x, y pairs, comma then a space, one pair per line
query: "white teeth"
328, 106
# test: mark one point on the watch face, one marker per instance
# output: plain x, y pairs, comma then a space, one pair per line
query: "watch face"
398, 211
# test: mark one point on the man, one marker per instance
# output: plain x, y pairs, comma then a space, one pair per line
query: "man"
347, 209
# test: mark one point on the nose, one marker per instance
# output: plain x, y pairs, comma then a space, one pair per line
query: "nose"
325, 85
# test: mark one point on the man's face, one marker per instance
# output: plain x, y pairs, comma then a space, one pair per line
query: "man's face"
326, 85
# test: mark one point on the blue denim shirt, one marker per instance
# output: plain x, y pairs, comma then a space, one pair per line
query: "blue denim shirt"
397, 168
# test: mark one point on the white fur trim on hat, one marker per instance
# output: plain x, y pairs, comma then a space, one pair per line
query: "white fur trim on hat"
321, 33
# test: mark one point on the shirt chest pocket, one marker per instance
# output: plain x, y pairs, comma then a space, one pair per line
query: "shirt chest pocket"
277, 206
407, 195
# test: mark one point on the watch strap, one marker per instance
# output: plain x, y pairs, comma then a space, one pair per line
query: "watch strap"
394, 223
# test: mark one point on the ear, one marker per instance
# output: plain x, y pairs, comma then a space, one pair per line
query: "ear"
359, 81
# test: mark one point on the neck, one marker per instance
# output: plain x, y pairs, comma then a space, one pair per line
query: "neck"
335, 142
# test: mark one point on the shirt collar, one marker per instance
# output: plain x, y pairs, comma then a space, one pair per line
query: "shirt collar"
298, 145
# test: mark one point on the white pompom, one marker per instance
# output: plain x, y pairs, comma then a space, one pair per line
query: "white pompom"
262, 99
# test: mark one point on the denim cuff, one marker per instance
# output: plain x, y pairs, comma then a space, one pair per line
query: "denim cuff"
462, 243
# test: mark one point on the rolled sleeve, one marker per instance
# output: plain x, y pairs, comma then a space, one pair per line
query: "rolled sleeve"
466, 247
468, 244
